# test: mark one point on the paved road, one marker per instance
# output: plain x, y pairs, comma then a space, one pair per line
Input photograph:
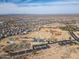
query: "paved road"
74, 36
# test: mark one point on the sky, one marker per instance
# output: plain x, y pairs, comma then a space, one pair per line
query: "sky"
39, 7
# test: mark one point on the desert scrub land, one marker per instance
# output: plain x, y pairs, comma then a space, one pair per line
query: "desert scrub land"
18, 32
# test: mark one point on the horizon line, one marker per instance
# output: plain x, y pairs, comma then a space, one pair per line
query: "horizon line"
38, 14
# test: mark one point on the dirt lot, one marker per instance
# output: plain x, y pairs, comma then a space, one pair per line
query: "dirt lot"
57, 52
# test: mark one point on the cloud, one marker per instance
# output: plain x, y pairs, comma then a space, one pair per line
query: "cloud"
7, 5
69, 0
57, 9
48, 4
36, 1
66, 7
28, 1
